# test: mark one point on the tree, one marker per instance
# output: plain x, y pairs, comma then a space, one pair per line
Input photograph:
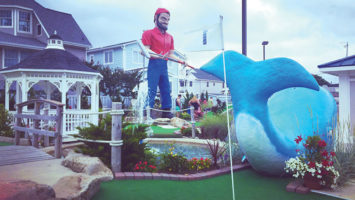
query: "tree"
320, 80
116, 83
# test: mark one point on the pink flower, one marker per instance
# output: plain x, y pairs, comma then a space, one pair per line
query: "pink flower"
322, 143
298, 139
325, 153
332, 153
311, 164
297, 150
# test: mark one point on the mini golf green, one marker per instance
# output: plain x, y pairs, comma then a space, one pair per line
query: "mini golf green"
248, 185
5, 144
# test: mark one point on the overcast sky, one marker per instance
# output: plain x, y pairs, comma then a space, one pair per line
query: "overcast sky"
312, 32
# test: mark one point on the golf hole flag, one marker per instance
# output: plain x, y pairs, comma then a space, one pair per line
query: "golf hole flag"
208, 38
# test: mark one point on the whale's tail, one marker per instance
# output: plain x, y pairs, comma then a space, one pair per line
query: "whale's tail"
263, 78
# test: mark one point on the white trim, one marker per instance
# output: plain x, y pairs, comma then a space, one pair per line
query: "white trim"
49, 70
39, 20
337, 69
76, 44
12, 18
15, 22
120, 45
16, 6
18, 27
3, 58
104, 61
21, 45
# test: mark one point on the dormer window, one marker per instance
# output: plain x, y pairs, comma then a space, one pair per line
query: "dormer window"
53, 41
59, 42
5, 18
25, 21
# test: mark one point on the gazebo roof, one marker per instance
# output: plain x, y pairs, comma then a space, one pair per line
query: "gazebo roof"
52, 59
347, 61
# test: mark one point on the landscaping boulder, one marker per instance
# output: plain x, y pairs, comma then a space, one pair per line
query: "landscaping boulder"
179, 123
24, 189
85, 184
161, 121
80, 186
88, 165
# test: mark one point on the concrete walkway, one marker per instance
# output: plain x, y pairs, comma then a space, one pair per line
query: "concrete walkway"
43, 172
347, 191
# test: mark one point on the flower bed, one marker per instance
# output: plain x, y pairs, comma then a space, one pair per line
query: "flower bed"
315, 163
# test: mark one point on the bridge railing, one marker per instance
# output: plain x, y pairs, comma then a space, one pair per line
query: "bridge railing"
40, 125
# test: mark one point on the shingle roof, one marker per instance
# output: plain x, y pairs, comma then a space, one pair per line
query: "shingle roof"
8, 39
199, 74
347, 61
52, 59
52, 20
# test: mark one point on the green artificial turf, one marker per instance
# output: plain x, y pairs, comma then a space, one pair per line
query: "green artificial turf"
248, 185
5, 144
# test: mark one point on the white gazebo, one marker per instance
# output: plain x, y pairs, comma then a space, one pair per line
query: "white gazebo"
344, 69
51, 69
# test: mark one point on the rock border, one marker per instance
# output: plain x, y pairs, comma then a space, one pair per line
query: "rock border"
177, 177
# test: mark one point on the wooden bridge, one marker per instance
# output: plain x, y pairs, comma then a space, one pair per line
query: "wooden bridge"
10, 155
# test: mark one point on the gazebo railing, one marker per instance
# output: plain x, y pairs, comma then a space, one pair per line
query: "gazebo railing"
78, 118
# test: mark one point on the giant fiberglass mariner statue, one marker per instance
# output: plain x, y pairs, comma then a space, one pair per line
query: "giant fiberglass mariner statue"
274, 101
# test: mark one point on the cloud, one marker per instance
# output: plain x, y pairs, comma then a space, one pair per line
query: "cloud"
311, 32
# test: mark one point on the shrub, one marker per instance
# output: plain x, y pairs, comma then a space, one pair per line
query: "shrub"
186, 131
5, 122
133, 149
237, 154
100, 132
185, 116
345, 156
217, 149
173, 162
214, 127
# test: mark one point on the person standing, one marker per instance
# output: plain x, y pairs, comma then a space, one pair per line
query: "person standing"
158, 41
178, 105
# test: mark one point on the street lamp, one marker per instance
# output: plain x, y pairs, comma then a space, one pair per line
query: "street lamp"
264, 44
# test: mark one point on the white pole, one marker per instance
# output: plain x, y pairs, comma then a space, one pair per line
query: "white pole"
226, 96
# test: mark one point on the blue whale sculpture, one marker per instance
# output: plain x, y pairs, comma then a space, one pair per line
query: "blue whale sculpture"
274, 101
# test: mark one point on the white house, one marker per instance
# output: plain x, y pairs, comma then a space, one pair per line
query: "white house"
344, 68
197, 81
127, 56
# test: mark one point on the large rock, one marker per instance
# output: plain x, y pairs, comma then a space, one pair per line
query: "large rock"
24, 190
179, 123
161, 121
87, 165
80, 186
91, 172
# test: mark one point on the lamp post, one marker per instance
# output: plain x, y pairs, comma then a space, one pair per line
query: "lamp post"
264, 43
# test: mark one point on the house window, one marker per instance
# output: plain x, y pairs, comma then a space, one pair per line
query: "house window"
136, 57
222, 85
207, 84
92, 58
39, 29
181, 83
5, 18
108, 57
11, 57
24, 21
214, 84
190, 83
